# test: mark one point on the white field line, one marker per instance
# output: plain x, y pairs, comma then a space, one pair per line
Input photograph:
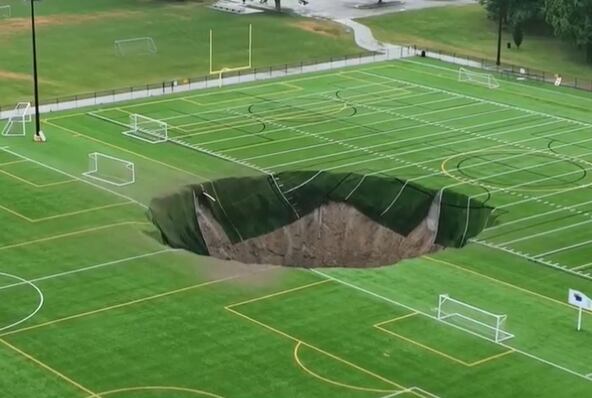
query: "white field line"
241, 106
580, 267
465, 131
275, 111
546, 232
374, 134
397, 303
562, 249
412, 151
92, 267
517, 84
500, 104
523, 219
259, 118
5, 149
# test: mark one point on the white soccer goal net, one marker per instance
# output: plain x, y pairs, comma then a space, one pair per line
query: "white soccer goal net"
472, 319
5, 12
135, 46
147, 129
483, 79
16, 124
111, 170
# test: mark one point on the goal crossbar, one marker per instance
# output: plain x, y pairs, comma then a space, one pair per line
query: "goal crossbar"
137, 45
472, 319
482, 78
147, 129
110, 169
16, 124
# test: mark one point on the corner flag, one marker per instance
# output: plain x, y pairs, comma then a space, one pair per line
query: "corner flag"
581, 301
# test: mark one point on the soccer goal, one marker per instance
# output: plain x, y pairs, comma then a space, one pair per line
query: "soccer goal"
16, 126
472, 319
110, 170
147, 129
483, 79
135, 46
5, 12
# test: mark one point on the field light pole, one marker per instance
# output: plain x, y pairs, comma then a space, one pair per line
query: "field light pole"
35, 78
502, 11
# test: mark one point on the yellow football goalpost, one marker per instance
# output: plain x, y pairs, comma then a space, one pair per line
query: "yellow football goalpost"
221, 72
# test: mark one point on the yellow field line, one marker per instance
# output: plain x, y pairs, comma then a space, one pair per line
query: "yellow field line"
361, 369
377, 376
425, 347
460, 267
491, 358
13, 162
50, 369
74, 132
120, 305
63, 215
329, 381
435, 351
279, 293
51, 184
397, 319
75, 233
16, 213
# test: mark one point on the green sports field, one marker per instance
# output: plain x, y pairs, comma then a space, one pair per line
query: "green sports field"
92, 305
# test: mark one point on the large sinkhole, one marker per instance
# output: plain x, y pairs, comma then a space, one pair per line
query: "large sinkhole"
316, 219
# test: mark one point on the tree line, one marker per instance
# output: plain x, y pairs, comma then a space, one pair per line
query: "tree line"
569, 19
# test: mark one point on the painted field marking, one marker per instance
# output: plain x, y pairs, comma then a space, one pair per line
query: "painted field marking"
12, 162
60, 375
232, 307
168, 389
397, 303
63, 215
380, 327
74, 132
499, 281
75, 177
28, 182
32, 313
298, 341
70, 234
89, 268
330, 381
125, 304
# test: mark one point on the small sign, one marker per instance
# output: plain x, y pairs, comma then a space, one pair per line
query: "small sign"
580, 300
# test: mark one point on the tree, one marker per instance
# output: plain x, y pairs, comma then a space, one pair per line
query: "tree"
572, 20
517, 34
278, 5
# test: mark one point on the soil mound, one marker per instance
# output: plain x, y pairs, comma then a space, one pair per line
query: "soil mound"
335, 234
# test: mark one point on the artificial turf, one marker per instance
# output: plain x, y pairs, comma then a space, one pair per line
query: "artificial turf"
124, 316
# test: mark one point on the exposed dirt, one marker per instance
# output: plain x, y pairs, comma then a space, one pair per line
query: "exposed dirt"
8, 75
21, 25
324, 29
335, 234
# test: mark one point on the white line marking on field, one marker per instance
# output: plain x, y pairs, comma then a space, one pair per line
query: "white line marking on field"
378, 296
35, 311
92, 267
75, 177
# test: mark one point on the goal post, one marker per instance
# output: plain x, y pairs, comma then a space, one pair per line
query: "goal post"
16, 125
481, 78
225, 69
110, 170
135, 46
147, 129
5, 11
472, 319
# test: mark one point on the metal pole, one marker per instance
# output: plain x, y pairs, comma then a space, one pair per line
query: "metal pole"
580, 319
499, 34
35, 78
